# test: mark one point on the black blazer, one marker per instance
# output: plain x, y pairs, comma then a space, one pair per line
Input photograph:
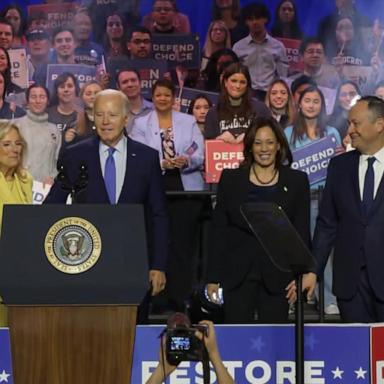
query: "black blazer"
234, 247
356, 237
143, 184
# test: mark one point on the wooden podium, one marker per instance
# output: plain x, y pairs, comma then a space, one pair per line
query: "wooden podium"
73, 328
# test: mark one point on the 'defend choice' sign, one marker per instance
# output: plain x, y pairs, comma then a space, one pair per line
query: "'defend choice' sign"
313, 159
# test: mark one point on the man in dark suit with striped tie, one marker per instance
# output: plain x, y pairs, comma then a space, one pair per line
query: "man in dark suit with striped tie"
351, 217
120, 170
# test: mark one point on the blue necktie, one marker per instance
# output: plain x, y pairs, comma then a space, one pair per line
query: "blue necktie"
369, 183
110, 175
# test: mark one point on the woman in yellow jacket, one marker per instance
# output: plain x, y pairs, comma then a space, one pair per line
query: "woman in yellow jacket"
15, 182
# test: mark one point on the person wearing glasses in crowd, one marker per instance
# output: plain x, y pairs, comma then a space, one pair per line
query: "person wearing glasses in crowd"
217, 38
313, 57
165, 18
139, 43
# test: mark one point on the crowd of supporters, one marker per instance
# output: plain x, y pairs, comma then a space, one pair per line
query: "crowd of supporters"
244, 63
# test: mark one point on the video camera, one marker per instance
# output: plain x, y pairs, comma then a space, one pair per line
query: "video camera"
181, 341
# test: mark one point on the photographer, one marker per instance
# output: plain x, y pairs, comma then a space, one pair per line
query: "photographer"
164, 369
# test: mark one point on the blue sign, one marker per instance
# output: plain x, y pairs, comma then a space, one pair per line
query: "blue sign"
6, 375
261, 354
183, 50
313, 159
188, 94
83, 73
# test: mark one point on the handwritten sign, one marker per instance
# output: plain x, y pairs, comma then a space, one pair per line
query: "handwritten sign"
19, 67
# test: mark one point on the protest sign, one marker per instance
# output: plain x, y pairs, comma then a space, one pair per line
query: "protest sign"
39, 192
19, 67
313, 159
292, 47
183, 50
220, 155
150, 71
188, 94
57, 15
83, 73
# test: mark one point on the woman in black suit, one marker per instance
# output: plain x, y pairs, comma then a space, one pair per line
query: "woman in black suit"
238, 262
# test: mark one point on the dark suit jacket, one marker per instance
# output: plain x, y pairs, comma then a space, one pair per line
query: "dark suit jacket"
235, 248
342, 224
143, 184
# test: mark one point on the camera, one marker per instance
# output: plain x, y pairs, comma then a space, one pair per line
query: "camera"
181, 341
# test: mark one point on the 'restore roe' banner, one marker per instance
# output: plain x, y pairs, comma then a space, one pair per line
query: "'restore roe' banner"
313, 159
266, 354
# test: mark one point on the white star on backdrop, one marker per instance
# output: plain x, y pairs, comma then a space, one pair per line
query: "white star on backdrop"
4, 376
360, 374
337, 373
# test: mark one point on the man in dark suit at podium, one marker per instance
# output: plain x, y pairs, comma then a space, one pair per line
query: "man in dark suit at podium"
118, 170
351, 217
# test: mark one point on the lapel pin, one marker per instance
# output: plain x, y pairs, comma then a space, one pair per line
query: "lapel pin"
285, 189
133, 154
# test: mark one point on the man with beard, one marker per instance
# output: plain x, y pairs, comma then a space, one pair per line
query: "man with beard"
139, 43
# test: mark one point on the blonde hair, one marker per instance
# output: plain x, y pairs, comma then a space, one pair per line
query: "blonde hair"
209, 49
6, 126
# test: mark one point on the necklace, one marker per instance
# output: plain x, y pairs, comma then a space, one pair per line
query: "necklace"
263, 182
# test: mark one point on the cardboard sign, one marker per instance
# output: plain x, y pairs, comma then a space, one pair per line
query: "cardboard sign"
292, 47
188, 94
313, 159
58, 15
19, 69
150, 71
83, 73
220, 155
183, 50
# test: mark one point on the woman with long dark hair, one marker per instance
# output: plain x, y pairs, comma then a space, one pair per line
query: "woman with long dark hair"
310, 126
114, 37
14, 15
286, 24
238, 261
230, 119
280, 101
8, 110
199, 108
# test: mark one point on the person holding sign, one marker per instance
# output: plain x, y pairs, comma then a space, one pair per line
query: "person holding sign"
237, 260
230, 119
7, 110
351, 217
309, 127
180, 145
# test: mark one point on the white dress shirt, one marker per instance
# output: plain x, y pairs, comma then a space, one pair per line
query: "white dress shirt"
378, 169
120, 157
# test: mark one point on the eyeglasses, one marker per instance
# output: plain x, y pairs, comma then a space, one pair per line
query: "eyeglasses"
346, 94
139, 41
164, 9
114, 24
313, 51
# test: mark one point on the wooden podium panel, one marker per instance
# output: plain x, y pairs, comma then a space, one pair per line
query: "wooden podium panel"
72, 344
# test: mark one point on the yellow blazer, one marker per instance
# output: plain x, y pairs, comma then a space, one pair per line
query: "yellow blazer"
21, 194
